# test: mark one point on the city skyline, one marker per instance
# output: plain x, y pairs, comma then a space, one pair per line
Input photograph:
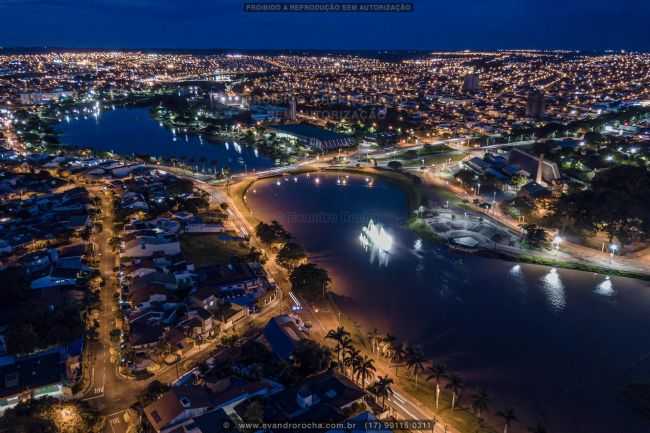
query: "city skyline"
497, 24
431, 216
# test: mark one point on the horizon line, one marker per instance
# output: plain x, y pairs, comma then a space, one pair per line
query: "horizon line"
343, 50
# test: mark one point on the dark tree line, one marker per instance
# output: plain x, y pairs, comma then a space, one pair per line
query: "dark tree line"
618, 203
307, 279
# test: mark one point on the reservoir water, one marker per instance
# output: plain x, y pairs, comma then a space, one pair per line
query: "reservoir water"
128, 131
557, 345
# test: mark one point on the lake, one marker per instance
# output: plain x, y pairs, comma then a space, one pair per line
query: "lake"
558, 345
129, 131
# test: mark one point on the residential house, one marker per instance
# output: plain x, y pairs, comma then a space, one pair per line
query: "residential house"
59, 277
232, 316
177, 405
230, 391
143, 296
145, 333
31, 377
282, 335
327, 396
150, 246
158, 278
198, 323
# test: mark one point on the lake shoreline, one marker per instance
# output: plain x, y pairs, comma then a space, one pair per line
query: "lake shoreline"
416, 196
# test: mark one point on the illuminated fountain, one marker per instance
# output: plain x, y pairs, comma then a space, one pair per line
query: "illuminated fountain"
373, 237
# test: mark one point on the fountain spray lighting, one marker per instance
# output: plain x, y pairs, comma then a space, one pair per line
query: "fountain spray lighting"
375, 235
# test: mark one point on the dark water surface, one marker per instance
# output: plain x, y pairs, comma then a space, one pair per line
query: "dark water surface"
129, 131
558, 345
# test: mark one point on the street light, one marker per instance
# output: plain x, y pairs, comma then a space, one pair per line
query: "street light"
612, 250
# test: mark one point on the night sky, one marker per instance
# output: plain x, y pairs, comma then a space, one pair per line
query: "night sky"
435, 24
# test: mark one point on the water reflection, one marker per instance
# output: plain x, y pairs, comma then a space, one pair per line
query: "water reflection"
133, 131
554, 289
605, 288
519, 282
515, 271
476, 314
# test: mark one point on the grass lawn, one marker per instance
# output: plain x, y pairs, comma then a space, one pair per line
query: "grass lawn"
580, 266
420, 227
432, 159
460, 418
210, 249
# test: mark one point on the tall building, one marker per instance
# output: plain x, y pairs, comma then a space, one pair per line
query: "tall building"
291, 113
536, 104
471, 83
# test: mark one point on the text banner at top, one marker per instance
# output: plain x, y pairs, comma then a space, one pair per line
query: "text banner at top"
328, 7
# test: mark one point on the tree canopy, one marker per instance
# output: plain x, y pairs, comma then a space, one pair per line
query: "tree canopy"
310, 357
536, 237
309, 280
291, 255
48, 415
272, 233
617, 203
394, 165
40, 328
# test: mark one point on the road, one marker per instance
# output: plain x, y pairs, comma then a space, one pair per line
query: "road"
106, 389
402, 406
112, 393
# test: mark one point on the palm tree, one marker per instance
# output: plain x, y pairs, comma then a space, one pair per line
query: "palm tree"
480, 402
351, 359
372, 337
397, 350
388, 343
539, 428
398, 353
382, 388
455, 385
345, 346
508, 416
437, 372
415, 361
364, 370
338, 335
